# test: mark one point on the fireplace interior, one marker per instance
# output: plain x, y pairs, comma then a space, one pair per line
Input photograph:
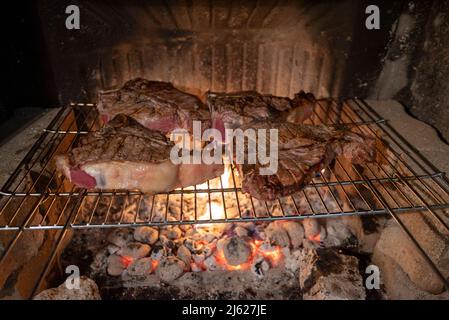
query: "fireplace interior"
373, 231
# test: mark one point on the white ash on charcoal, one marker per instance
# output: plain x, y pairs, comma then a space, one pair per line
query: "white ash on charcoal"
277, 235
190, 233
313, 230
326, 274
210, 248
292, 260
170, 268
266, 247
321, 200
88, 290
236, 250
99, 263
220, 284
158, 252
128, 215
121, 236
338, 232
184, 255
250, 226
205, 236
185, 227
117, 264
168, 255
167, 243
147, 235
240, 231
141, 267
120, 259
112, 248
285, 233
198, 246
174, 233
195, 267
134, 250
212, 264
198, 258
295, 232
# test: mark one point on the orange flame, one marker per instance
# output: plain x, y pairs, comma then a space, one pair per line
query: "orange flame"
316, 238
126, 261
214, 209
153, 265
274, 256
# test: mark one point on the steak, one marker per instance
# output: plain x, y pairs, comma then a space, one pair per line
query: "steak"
234, 110
303, 151
126, 155
156, 105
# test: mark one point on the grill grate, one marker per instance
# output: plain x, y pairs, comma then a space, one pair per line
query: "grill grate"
401, 180
35, 197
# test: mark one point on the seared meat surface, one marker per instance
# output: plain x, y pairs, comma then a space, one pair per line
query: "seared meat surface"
234, 110
303, 151
133, 152
156, 105
126, 155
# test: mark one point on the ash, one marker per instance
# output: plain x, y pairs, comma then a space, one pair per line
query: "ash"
263, 260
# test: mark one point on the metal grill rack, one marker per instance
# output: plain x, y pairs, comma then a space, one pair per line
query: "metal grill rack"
401, 180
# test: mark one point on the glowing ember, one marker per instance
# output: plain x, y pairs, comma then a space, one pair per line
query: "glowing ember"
126, 261
220, 258
154, 264
316, 238
274, 255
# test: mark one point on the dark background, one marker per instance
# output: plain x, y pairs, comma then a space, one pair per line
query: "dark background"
30, 69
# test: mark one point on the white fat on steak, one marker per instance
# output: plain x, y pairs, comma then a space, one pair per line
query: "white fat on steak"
126, 155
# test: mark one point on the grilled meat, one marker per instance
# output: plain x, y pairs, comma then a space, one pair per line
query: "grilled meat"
303, 150
126, 155
154, 104
234, 110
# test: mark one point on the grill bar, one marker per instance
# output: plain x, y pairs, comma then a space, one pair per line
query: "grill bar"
416, 186
402, 181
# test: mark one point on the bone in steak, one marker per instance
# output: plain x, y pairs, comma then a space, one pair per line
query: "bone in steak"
156, 105
126, 155
233, 110
303, 151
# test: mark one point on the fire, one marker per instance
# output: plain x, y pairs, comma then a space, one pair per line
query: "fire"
226, 176
153, 265
215, 210
221, 260
316, 238
273, 256
126, 261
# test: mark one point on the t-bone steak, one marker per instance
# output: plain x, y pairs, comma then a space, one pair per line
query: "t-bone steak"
234, 110
303, 151
126, 155
156, 105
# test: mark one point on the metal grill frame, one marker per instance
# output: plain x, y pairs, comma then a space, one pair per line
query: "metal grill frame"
356, 112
